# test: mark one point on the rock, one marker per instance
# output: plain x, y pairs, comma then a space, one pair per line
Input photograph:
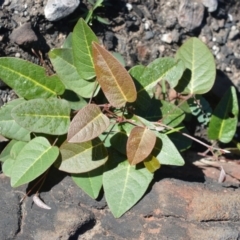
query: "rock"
190, 15
167, 38
234, 33
236, 62
211, 5
176, 209
23, 35
58, 9
64, 220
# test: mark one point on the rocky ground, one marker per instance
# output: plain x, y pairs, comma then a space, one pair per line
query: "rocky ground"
183, 203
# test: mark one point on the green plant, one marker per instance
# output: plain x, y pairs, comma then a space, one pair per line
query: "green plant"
102, 124
92, 16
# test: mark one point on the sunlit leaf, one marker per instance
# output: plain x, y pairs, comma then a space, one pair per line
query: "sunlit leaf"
29, 80
146, 78
34, 159
140, 144
223, 122
113, 78
8, 126
82, 157
8, 165
90, 182
166, 152
200, 72
87, 124
151, 164
51, 116
124, 186
62, 60
82, 39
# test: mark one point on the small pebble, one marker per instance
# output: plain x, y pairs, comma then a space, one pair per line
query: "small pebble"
129, 6
167, 38
17, 55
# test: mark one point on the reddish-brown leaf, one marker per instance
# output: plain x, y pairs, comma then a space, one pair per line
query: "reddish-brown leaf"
113, 78
88, 123
140, 144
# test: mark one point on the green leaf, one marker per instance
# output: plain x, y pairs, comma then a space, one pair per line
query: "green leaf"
29, 80
8, 165
82, 157
62, 60
8, 126
171, 114
49, 116
75, 101
200, 108
5, 154
166, 152
151, 164
102, 20
224, 120
68, 41
34, 159
124, 186
181, 142
167, 69
90, 182
87, 124
115, 81
82, 39
200, 67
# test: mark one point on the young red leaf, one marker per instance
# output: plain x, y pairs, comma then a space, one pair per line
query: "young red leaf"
88, 123
113, 78
140, 144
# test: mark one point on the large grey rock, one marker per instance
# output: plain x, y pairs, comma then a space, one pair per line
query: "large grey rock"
190, 15
211, 5
24, 35
58, 9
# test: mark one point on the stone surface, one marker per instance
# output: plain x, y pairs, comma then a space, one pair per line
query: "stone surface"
190, 15
211, 5
24, 35
58, 9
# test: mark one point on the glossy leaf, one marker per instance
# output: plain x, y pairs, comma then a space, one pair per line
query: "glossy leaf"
140, 144
200, 67
8, 126
82, 39
82, 157
113, 78
29, 80
224, 120
87, 124
124, 186
34, 159
90, 182
166, 152
51, 116
62, 60
151, 164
